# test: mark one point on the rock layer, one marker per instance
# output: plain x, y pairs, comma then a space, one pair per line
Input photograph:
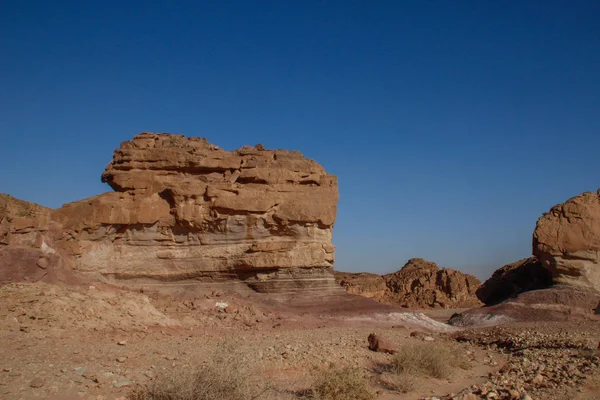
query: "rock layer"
419, 284
185, 209
567, 241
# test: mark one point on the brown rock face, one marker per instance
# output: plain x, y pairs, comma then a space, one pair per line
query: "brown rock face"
567, 241
372, 286
27, 250
419, 284
513, 279
184, 209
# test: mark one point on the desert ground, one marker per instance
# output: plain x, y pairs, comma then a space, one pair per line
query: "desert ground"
103, 342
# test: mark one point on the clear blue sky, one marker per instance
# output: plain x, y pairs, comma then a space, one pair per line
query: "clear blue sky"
452, 125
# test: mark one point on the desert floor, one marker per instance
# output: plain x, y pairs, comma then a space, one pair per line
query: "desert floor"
99, 342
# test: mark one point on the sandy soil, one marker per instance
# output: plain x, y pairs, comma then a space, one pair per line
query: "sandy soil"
98, 342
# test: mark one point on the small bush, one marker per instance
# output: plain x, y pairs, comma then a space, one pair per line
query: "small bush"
402, 383
225, 376
337, 383
427, 359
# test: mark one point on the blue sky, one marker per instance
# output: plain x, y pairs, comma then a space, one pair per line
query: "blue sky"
452, 125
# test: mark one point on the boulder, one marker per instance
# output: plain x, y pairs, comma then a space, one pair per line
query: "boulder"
566, 240
380, 345
185, 210
419, 284
513, 279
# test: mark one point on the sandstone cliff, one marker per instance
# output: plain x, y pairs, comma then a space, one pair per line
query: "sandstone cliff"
567, 241
419, 284
184, 209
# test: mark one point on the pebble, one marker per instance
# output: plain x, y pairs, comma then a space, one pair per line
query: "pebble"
36, 382
121, 382
80, 370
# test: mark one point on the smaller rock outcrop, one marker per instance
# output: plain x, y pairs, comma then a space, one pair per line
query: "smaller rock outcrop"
27, 251
419, 284
567, 241
368, 285
513, 279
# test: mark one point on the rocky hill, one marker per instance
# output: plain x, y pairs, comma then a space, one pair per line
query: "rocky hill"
419, 284
185, 210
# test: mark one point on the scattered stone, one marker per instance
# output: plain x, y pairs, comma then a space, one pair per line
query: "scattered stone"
36, 383
381, 345
42, 263
121, 382
80, 370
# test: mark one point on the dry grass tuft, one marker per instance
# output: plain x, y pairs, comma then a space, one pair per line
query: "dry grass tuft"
428, 359
402, 383
340, 383
225, 376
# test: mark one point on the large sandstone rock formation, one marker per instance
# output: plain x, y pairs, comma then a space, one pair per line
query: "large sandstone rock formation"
419, 284
567, 241
513, 279
183, 209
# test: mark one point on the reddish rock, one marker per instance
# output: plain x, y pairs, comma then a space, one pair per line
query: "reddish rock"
567, 241
419, 284
381, 345
513, 279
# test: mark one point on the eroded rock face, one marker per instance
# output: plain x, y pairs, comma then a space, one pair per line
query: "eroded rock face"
368, 285
184, 209
419, 284
513, 279
567, 241
27, 246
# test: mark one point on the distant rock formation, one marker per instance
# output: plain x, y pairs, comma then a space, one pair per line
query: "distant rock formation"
419, 284
513, 279
368, 285
185, 210
567, 241
561, 281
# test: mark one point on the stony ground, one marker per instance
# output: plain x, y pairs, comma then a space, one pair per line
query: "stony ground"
98, 343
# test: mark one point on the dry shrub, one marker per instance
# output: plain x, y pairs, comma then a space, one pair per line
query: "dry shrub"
402, 382
428, 359
225, 376
340, 383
